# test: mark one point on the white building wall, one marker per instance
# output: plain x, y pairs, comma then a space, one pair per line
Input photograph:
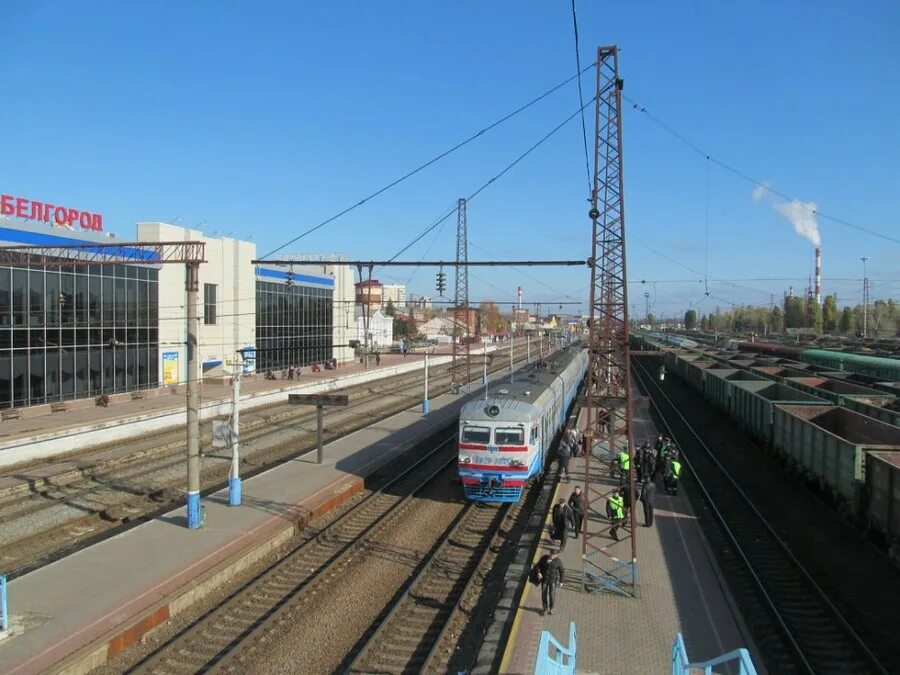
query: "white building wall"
228, 266
381, 328
344, 299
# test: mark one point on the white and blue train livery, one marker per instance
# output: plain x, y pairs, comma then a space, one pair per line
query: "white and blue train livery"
504, 439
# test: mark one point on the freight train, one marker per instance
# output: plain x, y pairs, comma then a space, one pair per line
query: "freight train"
675, 340
505, 438
854, 458
879, 367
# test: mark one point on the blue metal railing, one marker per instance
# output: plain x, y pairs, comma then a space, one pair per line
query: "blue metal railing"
681, 665
562, 660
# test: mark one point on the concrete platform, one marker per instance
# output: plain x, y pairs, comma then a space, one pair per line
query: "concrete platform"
40, 434
680, 591
98, 601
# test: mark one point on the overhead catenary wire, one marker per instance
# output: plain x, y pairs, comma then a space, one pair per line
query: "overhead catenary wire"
493, 179
431, 161
587, 164
750, 179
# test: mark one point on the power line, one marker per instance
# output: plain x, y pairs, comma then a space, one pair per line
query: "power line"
431, 161
740, 174
491, 181
587, 166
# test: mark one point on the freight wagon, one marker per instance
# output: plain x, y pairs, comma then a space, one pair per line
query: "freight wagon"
828, 444
883, 499
879, 367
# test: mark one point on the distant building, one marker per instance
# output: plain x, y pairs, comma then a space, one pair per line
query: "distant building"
395, 293
440, 326
381, 329
467, 320
369, 292
420, 302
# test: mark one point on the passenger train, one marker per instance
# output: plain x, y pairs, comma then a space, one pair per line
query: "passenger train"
505, 438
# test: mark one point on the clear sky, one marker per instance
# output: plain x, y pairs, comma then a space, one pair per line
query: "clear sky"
263, 119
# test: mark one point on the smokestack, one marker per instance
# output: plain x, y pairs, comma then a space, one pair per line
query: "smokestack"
818, 275
520, 298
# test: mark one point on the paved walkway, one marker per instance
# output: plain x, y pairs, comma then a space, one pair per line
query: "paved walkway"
105, 597
83, 412
680, 591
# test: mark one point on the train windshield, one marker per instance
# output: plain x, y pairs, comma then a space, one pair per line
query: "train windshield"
509, 436
476, 435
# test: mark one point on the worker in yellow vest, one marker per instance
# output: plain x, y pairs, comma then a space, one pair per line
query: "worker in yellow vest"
615, 510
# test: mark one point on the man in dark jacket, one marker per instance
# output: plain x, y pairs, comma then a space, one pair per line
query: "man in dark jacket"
563, 455
576, 503
562, 519
552, 573
648, 495
648, 468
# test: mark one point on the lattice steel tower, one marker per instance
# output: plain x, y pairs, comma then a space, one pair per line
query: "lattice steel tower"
461, 368
607, 564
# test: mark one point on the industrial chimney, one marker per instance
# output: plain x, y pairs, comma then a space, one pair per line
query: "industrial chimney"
818, 275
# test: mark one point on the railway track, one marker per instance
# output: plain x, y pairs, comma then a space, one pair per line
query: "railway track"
92, 500
795, 623
407, 638
233, 630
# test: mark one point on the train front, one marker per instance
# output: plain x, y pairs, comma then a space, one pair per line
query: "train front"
497, 450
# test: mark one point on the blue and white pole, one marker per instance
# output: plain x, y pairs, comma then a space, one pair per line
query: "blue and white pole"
4, 611
193, 397
426, 406
234, 474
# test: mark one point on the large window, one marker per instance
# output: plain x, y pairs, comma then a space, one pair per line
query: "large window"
76, 331
209, 304
294, 325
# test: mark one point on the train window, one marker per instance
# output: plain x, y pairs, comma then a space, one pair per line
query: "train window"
534, 435
476, 435
509, 436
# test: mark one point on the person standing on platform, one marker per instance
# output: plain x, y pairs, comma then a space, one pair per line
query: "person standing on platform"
551, 574
673, 473
624, 463
615, 509
648, 495
377, 359
563, 455
648, 470
576, 503
638, 463
562, 520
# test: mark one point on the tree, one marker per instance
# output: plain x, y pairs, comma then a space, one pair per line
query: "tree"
651, 319
704, 322
492, 319
389, 310
846, 324
775, 318
795, 312
815, 315
405, 327
690, 319
830, 314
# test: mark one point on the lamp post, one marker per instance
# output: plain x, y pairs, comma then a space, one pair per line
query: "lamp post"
865, 330
234, 474
426, 406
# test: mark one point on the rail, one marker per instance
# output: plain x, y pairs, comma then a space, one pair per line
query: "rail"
561, 660
769, 599
681, 665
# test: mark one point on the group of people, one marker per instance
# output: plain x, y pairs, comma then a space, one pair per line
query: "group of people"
651, 462
291, 371
569, 446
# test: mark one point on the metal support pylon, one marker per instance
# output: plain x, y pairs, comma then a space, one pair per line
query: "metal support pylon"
461, 367
607, 564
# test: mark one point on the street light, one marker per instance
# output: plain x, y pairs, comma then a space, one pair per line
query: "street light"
865, 330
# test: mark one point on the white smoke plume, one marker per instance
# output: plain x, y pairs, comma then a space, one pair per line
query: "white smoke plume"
802, 215
760, 191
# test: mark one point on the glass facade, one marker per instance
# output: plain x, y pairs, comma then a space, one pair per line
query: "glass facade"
294, 325
76, 331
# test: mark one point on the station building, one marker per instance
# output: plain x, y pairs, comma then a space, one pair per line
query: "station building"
84, 330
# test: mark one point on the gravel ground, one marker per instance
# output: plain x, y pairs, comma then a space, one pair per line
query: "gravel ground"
132, 656
323, 632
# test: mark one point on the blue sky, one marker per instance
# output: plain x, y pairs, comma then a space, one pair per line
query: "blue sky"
264, 119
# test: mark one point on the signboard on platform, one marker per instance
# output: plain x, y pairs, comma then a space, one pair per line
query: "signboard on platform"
170, 367
319, 399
